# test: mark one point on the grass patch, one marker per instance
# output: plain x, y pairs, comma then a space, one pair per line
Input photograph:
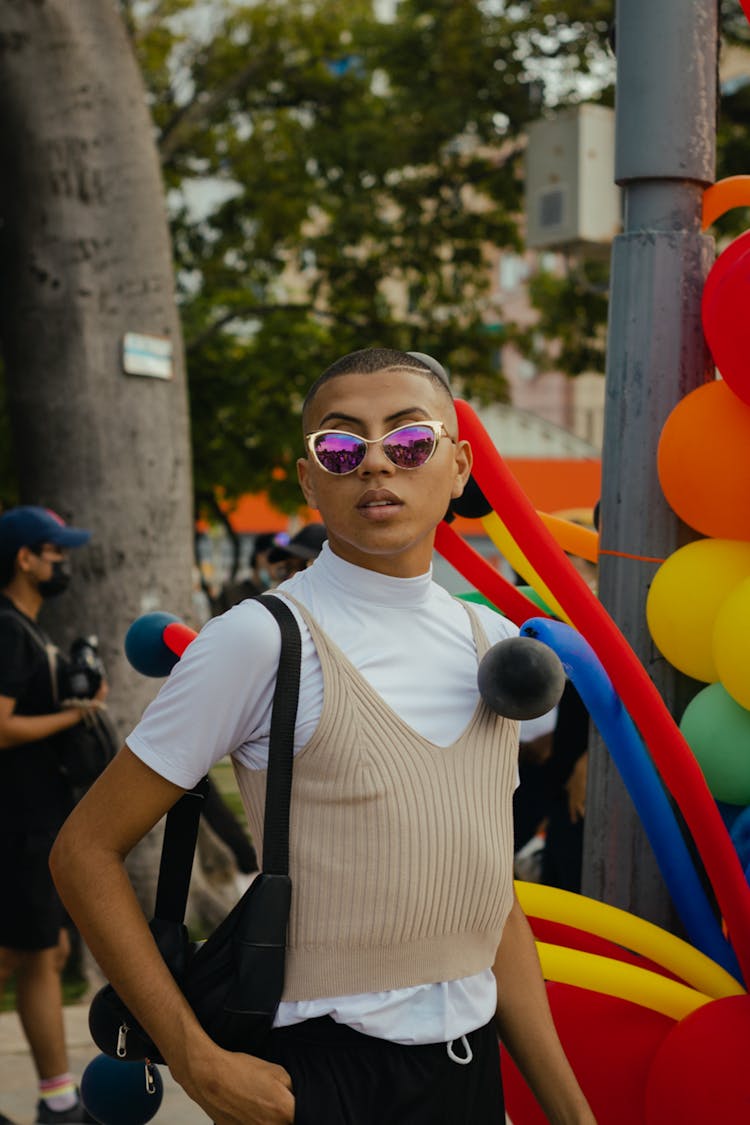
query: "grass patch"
223, 778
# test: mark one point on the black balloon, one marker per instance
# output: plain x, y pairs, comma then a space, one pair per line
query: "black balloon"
472, 502
521, 678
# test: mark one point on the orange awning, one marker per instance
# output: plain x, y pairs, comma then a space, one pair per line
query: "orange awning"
252, 513
556, 485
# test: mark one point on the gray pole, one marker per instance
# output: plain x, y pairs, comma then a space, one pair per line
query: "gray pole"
667, 54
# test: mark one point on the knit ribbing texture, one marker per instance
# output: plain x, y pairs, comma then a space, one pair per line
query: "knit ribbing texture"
400, 850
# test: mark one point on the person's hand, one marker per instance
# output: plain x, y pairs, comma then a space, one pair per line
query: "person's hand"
536, 751
102, 692
84, 706
238, 1089
576, 789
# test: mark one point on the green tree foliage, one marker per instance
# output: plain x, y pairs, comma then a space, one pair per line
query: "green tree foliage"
733, 140
570, 333
334, 181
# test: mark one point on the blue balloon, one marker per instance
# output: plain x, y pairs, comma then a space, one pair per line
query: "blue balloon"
116, 1092
642, 782
740, 834
144, 644
729, 813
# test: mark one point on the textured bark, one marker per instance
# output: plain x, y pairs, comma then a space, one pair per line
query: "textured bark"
85, 257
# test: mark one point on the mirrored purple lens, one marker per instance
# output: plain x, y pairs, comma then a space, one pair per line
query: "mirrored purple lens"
410, 447
339, 453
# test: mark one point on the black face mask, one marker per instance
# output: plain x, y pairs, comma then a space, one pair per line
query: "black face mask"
59, 581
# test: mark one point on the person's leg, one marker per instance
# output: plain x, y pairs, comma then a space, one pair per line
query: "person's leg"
39, 1004
10, 959
35, 945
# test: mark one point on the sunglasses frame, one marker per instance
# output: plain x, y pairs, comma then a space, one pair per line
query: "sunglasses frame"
438, 429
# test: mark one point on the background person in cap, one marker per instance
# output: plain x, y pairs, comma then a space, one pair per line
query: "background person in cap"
286, 559
34, 797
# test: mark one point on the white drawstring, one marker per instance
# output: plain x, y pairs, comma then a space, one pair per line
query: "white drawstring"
468, 1054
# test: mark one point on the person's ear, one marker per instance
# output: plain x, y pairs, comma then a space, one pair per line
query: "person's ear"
25, 559
304, 476
464, 459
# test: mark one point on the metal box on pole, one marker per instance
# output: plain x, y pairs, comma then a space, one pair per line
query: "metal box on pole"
572, 199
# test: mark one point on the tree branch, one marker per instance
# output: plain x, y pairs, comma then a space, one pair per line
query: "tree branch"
236, 314
194, 112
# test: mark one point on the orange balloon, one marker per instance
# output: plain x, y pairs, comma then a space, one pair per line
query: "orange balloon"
576, 540
703, 462
734, 191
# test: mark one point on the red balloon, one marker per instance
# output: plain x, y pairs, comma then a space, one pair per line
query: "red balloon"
490, 582
611, 1045
700, 1072
723, 266
177, 636
558, 933
726, 325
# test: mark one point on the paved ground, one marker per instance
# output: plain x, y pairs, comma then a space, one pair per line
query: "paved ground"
18, 1079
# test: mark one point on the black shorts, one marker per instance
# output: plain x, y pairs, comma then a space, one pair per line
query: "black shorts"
342, 1077
32, 914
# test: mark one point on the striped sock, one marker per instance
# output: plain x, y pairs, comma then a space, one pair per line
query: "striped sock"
59, 1093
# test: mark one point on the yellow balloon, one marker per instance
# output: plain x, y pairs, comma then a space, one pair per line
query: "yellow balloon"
621, 979
625, 929
685, 597
731, 644
510, 550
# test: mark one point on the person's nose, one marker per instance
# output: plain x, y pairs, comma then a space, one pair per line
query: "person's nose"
375, 462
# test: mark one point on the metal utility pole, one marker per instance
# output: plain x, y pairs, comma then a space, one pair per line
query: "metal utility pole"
666, 101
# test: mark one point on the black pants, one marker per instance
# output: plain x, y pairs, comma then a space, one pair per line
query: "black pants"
341, 1077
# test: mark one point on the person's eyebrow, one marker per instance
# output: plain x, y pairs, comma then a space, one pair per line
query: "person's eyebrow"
358, 421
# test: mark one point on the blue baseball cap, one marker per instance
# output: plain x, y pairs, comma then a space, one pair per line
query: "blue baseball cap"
30, 525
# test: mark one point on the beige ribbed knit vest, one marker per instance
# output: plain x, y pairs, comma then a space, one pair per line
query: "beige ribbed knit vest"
401, 851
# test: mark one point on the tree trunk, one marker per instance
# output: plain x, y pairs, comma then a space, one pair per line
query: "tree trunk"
84, 258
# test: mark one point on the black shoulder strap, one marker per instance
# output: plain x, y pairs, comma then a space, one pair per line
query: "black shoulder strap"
41, 641
281, 743
181, 831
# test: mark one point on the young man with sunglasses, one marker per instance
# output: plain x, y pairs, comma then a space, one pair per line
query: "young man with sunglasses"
407, 951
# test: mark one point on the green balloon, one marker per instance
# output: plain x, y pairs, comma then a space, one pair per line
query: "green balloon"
532, 595
478, 599
529, 591
717, 730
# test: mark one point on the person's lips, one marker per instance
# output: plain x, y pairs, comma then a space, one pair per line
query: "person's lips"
379, 503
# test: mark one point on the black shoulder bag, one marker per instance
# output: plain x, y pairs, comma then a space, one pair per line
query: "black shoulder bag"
233, 981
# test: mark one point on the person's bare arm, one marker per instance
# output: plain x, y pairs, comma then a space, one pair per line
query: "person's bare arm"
15, 730
87, 864
524, 1023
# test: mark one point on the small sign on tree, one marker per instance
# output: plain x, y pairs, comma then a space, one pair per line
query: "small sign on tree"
147, 355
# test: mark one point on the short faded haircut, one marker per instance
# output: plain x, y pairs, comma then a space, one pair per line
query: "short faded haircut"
369, 361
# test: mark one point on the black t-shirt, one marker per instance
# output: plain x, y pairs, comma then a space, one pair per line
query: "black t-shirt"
33, 794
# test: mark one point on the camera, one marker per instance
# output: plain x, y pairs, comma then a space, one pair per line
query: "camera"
85, 670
